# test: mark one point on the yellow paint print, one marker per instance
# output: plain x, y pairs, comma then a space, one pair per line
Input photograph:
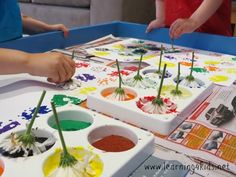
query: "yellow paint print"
219, 78
87, 90
147, 57
119, 46
169, 64
166, 92
101, 53
212, 62
53, 161
231, 70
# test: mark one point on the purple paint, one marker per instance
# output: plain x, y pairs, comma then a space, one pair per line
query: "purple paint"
9, 126
170, 57
85, 77
27, 115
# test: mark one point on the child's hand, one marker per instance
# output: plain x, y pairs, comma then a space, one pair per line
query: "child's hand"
154, 24
182, 26
55, 66
59, 27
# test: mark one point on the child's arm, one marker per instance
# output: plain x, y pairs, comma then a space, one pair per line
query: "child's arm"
199, 17
33, 26
160, 16
55, 66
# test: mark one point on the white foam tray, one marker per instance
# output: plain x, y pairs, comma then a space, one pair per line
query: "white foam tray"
159, 123
118, 164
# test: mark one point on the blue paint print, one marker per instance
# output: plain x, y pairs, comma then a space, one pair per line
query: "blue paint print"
85, 77
27, 114
9, 126
170, 57
189, 59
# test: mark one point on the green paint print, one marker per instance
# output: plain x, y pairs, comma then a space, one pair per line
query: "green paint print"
234, 59
62, 100
199, 70
72, 125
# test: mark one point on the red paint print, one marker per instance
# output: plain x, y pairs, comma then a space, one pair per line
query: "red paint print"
122, 72
131, 68
81, 65
168, 107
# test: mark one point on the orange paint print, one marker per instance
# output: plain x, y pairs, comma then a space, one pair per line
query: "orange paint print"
129, 95
184, 63
1, 167
212, 68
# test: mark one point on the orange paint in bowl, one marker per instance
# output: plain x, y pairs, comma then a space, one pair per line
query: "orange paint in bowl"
114, 143
130, 95
1, 167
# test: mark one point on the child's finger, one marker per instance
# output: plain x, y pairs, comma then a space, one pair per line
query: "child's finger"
61, 73
69, 70
149, 28
70, 61
176, 28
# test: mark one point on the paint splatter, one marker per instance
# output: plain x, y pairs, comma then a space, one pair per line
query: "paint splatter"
184, 63
151, 47
110, 94
85, 77
99, 68
147, 57
169, 64
106, 81
27, 114
170, 57
62, 100
1, 167
218, 78
234, 58
102, 49
71, 84
90, 164
147, 106
131, 68
212, 68
122, 72
190, 59
9, 126
231, 70
81, 65
196, 83
13, 148
87, 90
139, 51
153, 74
212, 62
101, 53
166, 92
118, 46
199, 70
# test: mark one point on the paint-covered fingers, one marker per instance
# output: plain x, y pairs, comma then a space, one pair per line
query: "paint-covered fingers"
154, 24
55, 66
65, 69
181, 26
